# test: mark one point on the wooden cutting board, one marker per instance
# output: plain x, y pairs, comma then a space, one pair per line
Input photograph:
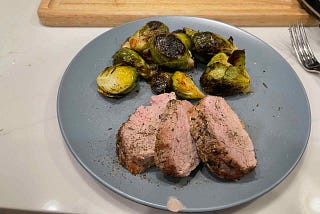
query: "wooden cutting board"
116, 12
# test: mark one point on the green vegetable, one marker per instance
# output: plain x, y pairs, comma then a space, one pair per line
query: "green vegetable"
226, 77
152, 48
169, 51
116, 81
189, 32
185, 39
238, 58
161, 82
184, 86
139, 40
219, 57
130, 57
206, 44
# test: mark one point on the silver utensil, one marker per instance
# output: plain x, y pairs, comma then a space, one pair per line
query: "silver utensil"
302, 48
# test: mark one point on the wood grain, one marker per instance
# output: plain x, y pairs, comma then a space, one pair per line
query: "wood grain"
116, 12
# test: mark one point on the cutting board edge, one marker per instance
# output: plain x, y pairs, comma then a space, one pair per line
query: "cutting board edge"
51, 16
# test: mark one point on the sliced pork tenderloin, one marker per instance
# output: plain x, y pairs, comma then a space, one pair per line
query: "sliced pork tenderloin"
175, 151
222, 142
136, 137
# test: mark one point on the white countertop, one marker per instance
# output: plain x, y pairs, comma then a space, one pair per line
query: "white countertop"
38, 172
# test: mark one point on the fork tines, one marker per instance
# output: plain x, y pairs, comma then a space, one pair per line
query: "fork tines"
302, 48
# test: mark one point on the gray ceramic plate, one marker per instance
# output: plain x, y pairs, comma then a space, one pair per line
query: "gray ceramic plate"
277, 115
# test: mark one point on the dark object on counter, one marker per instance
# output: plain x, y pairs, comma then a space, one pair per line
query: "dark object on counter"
312, 6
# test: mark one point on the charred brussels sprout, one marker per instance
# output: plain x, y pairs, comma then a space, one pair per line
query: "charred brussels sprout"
116, 81
226, 77
161, 82
207, 44
139, 40
238, 58
184, 86
185, 39
218, 79
189, 32
219, 57
153, 48
130, 57
169, 51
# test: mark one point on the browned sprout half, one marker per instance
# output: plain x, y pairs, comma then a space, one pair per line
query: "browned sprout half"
184, 87
169, 51
117, 81
206, 44
226, 77
238, 58
153, 47
185, 39
189, 32
139, 40
221, 58
130, 57
161, 82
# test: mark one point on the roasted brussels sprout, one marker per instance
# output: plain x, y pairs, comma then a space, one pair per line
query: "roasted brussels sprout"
206, 44
169, 51
219, 57
152, 48
130, 57
184, 87
185, 39
161, 82
226, 78
189, 32
116, 81
238, 58
139, 40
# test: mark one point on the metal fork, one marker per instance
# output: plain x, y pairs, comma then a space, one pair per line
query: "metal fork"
302, 48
